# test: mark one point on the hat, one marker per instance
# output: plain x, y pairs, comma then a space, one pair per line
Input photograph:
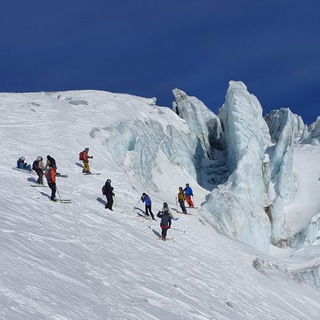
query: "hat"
86, 149
22, 158
144, 194
108, 180
39, 158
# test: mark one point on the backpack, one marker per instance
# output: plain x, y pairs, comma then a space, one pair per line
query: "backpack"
81, 155
35, 165
104, 190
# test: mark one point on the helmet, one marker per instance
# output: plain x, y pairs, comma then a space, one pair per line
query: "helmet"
22, 158
39, 158
144, 194
165, 205
108, 180
86, 149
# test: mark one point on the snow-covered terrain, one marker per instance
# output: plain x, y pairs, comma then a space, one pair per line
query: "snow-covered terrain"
80, 261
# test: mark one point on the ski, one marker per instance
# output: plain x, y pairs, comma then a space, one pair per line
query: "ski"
62, 200
23, 170
114, 210
144, 216
160, 238
37, 185
61, 175
187, 214
91, 174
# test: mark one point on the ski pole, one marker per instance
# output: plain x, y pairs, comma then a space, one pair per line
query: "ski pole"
115, 201
136, 205
58, 193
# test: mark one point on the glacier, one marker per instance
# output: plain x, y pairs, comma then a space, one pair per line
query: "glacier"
258, 203
258, 154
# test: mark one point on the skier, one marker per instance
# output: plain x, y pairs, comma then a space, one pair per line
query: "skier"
84, 156
50, 162
147, 200
165, 223
108, 192
38, 167
23, 165
188, 192
181, 199
51, 178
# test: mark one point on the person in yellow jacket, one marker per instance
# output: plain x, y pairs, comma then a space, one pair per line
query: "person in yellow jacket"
181, 200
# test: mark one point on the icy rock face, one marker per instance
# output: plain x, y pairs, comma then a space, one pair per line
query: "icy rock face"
136, 146
204, 125
314, 133
277, 119
281, 171
308, 235
237, 207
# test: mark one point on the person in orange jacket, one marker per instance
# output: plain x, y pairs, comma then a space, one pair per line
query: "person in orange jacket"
51, 178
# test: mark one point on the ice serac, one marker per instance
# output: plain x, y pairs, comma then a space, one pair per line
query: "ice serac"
314, 133
204, 125
144, 137
282, 176
276, 120
237, 207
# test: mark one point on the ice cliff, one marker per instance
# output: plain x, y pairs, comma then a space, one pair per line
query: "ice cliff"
258, 153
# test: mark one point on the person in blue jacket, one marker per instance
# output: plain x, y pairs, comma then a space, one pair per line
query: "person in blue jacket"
147, 200
23, 165
189, 193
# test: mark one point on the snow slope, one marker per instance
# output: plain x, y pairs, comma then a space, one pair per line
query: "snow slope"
80, 261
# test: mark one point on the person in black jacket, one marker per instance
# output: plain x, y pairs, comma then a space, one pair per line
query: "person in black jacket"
51, 162
165, 223
38, 167
108, 192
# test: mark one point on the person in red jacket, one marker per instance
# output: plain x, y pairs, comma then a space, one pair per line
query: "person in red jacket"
85, 159
51, 178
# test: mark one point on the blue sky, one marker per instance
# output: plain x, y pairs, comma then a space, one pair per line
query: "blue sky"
148, 47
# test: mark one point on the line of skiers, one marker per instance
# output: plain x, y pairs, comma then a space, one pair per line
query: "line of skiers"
50, 171
166, 215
